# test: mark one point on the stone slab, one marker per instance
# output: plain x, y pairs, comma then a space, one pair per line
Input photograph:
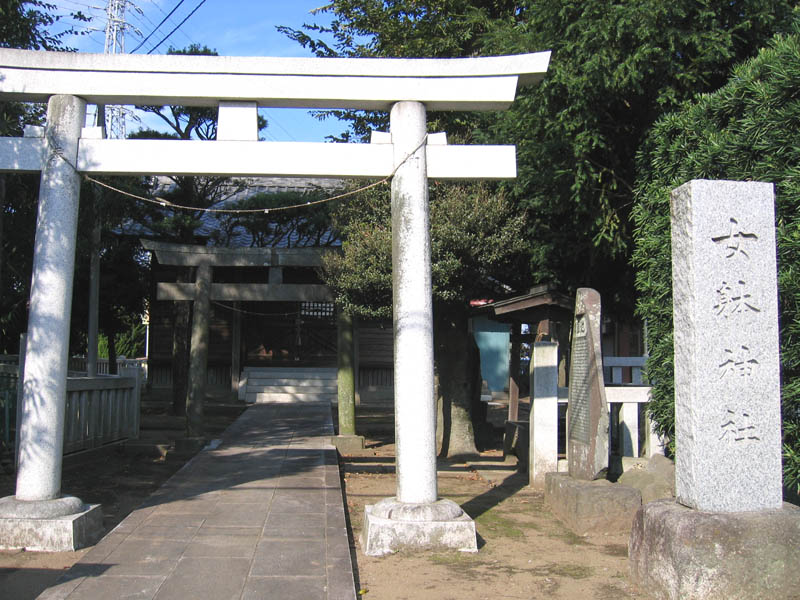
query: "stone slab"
679, 553
347, 444
382, 535
57, 534
587, 432
727, 371
591, 506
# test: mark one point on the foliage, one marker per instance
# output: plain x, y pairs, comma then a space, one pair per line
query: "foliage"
28, 24
274, 227
130, 341
744, 131
474, 235
615, 68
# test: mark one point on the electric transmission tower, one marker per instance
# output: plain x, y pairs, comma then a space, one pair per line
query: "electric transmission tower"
115, 44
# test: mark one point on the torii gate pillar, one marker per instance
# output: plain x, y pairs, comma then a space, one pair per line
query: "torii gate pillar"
416, 517
38, 517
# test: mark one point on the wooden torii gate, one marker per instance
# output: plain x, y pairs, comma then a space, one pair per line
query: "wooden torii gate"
65, 150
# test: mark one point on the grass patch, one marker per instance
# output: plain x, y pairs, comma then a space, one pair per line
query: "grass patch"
499, 525
566, 536
571, 571
620, 550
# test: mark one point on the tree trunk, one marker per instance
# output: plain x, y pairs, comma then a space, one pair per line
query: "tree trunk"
2, 253
455, 365
181, 331
112, 352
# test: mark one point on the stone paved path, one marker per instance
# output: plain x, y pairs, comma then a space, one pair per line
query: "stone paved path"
260, 516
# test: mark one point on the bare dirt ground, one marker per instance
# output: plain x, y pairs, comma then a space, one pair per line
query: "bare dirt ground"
523, 552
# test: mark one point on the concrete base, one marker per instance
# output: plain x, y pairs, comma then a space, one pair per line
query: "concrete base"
591, 506
680, 553
391, 526
51, 532
516, 442
346, 444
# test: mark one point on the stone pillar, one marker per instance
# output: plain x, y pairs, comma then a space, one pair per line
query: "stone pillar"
513, 375
543, 445
728, 534
38, 517
236, 347
198, 355
414, 519
347, 440
94, 298
44, 385
415, 405
346, 387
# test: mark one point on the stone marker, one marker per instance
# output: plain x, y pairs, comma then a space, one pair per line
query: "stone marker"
583, 499
728, 535
727, 374
587, 435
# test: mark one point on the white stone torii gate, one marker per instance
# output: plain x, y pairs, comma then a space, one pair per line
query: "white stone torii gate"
64, 150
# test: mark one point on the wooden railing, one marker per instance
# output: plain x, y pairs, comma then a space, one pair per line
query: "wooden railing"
99, 410
627, 408
78, 364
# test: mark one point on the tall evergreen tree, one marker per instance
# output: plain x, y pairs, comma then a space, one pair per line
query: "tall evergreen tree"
745, 131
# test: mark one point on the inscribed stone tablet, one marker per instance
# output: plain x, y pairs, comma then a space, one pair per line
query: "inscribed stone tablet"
727, 386
587, 435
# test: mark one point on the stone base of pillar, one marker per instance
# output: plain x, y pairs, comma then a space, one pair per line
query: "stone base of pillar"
346, 444
591, 506
44, 526
678, 552
391, 526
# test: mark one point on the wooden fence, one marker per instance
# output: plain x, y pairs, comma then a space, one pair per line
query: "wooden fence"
630, 427
99, 410
78, 364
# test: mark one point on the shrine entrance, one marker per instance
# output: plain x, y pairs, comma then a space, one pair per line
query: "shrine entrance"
65, 152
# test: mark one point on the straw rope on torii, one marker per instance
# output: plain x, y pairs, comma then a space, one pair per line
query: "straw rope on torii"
407, 88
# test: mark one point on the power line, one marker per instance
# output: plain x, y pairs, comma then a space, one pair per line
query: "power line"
157, 26
161, 10
177, 27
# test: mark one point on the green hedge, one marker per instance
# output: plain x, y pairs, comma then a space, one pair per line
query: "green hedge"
749, 130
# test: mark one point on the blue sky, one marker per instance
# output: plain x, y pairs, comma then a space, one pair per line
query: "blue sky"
231, 27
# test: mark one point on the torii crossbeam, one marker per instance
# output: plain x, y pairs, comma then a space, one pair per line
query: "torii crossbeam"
64, 150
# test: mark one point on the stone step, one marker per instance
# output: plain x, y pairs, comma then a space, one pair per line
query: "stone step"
297, 370
290, 377
287, 385
260, 397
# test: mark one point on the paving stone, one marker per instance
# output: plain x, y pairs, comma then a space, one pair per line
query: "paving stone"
220, 578
178, 533
308, 525
223, 544
298, 501
130, 588
137, 550
271, 588
237, 515
289, 557
248, 520
247, 496
173, 520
